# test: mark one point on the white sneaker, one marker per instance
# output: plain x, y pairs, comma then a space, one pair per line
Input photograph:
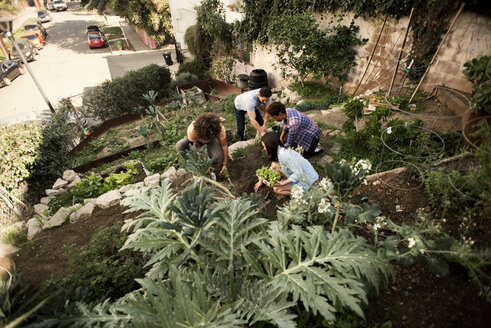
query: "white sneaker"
318, 149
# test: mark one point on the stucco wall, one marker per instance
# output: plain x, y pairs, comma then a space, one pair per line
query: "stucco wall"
183, 16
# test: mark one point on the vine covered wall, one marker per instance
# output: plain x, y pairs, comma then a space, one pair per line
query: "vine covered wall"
468, 38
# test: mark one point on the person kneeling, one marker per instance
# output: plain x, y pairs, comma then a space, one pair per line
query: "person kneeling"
207, 129
291, 164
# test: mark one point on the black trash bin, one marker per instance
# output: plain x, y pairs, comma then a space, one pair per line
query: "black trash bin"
168, 59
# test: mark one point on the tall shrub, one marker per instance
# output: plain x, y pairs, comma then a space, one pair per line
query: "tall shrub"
33, 154
118, 97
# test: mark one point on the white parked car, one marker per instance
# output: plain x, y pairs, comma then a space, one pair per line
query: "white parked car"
59, 5
50, 5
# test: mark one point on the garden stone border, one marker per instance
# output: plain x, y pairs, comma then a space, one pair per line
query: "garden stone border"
81, 212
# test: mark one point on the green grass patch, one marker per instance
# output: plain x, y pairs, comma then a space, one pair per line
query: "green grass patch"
113, 32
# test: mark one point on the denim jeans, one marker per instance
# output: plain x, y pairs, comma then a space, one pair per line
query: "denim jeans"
240, 116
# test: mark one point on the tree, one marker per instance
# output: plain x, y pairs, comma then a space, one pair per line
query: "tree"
152, 15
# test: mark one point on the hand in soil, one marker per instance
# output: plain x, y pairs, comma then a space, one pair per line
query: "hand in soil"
257, 186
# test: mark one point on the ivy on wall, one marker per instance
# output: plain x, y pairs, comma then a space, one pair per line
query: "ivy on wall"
308, 50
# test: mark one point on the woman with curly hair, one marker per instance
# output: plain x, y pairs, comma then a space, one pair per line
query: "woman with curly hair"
207, 129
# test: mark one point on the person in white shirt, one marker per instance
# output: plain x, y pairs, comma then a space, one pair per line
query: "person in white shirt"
251, 102
296, 169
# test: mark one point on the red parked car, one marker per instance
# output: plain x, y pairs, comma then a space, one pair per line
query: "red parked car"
96, 40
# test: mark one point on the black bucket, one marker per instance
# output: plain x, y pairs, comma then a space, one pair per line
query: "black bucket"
167, 58
242, 80
258, 79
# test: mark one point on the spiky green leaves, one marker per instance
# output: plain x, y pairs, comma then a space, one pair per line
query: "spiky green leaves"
317, 268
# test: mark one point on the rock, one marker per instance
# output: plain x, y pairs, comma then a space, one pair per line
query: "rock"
125, 188
19, 226
181, 173
153, 180
240, 144
295, 97
74, 182
109, 199
83, 213
69, 175
335, 148
325, 159
52, 192
301, 101
40, 209
33, 227
59, 183
170, 174
45, 200
58, 219
90, 200
138, 185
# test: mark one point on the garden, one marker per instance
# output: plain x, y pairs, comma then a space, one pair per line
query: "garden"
394, 234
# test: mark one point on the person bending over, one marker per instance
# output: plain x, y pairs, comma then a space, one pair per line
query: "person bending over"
250, 102
302, 130
288, 162
207, 129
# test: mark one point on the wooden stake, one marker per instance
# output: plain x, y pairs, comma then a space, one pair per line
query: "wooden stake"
400, 52
371, 56
437, 50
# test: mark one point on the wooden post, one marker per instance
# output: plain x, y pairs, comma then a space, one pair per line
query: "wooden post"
371, 56
437, 50
400, 52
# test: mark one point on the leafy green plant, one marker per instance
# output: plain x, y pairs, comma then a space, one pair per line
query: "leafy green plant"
259, 271
197, 66
268, 174
300, 45
16, 305
101, 270
119, 96
309, 105
238, 153
89, 187
155, 120
222, 69
353, 109
198, 161
227, 103
451, 191
345, 176
478, 70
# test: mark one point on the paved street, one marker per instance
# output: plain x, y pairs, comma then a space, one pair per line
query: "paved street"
67, 67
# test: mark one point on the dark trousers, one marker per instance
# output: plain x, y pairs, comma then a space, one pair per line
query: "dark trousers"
311, 151
240, 116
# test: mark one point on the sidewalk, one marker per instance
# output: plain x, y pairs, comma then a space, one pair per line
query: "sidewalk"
22, 16
132, 37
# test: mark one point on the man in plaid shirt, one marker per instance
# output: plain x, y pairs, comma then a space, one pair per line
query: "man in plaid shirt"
302, 131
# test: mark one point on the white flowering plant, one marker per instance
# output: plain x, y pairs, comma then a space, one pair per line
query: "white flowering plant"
425, 238
313, 206
320, 205
346, 177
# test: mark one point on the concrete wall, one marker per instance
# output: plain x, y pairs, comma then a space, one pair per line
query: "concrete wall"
470, 36
183, 16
